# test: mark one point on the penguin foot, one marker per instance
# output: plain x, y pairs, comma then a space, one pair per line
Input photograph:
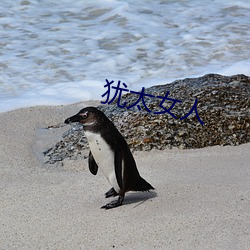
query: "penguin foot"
113, 204
111, 193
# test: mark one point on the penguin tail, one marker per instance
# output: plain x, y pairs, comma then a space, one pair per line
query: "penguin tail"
141, 185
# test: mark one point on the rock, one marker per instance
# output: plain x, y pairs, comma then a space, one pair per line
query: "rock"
223, 105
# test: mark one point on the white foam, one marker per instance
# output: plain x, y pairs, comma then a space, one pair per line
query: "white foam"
242, 67
61, 52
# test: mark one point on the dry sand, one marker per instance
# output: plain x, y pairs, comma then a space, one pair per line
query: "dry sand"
201, 201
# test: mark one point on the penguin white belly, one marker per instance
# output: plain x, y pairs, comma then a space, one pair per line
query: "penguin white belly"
104, 157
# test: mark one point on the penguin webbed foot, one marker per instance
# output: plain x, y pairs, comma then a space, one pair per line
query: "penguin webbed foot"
111, 193
115, 203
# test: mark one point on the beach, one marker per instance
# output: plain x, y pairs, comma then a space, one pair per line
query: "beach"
201, 198
57, 57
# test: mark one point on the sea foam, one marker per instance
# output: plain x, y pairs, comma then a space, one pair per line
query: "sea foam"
55, 53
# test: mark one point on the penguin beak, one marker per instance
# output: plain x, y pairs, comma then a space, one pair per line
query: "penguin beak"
74, 118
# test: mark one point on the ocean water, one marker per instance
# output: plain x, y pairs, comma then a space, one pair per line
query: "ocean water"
61, 52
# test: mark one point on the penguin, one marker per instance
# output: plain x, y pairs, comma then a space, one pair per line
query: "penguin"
110, 152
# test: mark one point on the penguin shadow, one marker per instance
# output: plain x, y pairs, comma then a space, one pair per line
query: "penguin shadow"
137, 198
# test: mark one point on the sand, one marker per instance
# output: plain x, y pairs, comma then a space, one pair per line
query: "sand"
201, 200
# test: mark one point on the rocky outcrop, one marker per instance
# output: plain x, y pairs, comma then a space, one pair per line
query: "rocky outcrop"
223, 105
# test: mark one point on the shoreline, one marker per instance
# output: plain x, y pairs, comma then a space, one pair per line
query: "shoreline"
201, 197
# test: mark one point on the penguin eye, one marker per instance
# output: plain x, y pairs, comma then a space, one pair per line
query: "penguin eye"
84, 115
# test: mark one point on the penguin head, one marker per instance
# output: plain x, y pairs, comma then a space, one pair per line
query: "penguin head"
88, 117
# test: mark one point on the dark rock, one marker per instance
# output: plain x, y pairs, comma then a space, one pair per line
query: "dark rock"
223, 106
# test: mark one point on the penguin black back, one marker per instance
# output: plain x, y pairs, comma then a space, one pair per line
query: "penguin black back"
110, 151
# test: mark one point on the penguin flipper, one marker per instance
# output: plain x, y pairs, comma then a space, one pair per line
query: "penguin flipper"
93, 167
118, 166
